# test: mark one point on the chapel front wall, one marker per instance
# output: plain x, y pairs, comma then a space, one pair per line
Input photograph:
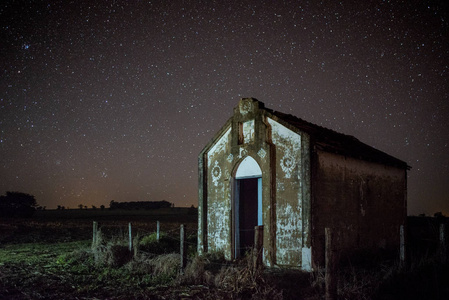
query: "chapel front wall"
289, 197
218, 214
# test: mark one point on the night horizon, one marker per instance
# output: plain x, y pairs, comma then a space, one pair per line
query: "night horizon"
114, 101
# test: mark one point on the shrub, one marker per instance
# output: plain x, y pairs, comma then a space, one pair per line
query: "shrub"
118, 255
114, 253
77, 261
151, 238
160, 269
165, 245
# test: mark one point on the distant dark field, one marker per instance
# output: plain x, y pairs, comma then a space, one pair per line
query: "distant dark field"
76, 224
50, 256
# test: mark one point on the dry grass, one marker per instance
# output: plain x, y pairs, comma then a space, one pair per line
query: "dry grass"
424, 277
168, 264
109, 270
114, 253
238, 281
317, 279
196, 272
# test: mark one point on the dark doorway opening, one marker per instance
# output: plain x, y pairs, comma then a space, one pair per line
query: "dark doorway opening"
248, 199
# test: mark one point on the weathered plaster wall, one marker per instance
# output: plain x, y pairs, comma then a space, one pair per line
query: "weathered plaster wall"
288, 194
219, 195
245, 136
363, 203
248, 131
304, 190
253, 141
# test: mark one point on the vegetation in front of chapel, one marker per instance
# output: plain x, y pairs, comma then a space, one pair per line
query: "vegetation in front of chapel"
57, 260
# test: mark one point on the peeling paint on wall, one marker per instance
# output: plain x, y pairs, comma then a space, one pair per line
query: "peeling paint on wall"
218, 194
288, 194
306, 259
265, 257
248, 131
349, 192
220, 146
218, 221
288, 234
289, 143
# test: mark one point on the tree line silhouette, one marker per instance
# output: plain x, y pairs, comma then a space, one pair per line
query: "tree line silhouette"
140, 205
16, 204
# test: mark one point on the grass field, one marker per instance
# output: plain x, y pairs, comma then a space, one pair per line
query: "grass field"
51, 256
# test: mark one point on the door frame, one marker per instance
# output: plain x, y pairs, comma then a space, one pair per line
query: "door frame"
236, 211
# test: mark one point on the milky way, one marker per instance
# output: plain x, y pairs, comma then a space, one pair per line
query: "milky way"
114, 100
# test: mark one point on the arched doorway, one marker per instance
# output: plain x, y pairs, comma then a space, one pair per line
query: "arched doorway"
247, 204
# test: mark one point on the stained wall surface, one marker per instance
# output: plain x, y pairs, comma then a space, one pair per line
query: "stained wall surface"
304, 189
282, 153
364, 204
288, 194
219, 195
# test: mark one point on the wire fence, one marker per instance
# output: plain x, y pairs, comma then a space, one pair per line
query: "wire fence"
168, 230
180, 235
134, 235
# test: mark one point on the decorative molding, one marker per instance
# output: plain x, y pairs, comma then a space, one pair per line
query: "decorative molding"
243, 152
262, 153
245, 106
216, 173
287, 164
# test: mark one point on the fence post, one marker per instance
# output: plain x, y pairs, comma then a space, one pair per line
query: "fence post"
158, 228
130, 237
94, 234
258, 247
182, 248
402, 245
330, 279
443, 245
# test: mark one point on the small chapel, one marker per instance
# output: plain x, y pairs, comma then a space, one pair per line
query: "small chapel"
294, 178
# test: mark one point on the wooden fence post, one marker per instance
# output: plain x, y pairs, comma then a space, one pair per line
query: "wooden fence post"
443, 245
402, 245
182, 248
94, 234
130, 237
158, 228
258, 247
330, 278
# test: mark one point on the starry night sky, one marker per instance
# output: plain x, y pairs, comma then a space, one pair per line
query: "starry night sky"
114, 100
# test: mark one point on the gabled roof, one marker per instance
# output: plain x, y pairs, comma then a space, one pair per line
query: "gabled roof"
324, 139
334, 142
